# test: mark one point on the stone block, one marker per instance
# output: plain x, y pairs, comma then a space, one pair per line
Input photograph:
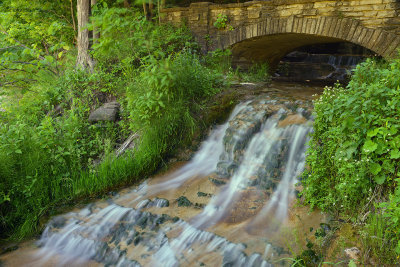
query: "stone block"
327, 26
253, 14
332, 28
385, 43
357, 33
320, 25
289, 24
107, 112
343, 29
194, 17
354, 25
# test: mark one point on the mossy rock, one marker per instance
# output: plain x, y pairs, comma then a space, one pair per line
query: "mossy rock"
184, 202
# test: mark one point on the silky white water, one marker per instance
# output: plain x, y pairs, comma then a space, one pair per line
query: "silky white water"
253, 153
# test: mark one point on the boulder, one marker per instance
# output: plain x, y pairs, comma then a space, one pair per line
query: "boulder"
107, 112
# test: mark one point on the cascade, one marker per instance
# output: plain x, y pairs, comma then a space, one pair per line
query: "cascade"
245, 175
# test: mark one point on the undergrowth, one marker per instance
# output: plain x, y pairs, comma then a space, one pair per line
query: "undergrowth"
50, 153
354, 156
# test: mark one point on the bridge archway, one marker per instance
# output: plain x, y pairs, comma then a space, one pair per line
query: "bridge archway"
271, 39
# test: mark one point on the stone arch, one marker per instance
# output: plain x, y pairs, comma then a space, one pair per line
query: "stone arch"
303, 31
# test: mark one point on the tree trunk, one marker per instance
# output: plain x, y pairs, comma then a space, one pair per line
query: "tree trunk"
146, 12
96, 33
126, 4
151, 7
83, 59
73, 18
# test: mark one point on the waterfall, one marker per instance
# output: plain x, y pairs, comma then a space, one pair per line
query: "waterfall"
259, 152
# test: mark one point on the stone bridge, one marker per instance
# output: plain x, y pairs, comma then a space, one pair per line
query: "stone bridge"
268, 30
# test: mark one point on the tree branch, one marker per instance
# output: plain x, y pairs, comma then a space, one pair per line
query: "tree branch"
15, 40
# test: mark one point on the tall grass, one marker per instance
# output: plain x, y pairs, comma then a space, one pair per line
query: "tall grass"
47, 160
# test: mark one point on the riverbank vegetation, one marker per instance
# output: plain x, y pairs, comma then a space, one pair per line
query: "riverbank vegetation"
50, 154
354, 158
48, 149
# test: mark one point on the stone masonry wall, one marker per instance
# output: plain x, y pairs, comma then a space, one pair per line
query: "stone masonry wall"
200, 17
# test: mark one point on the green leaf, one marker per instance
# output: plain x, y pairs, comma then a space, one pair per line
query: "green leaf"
352, 264
375, 168
370, 146
395, 154
380, 179
372, 133
18, 151
49, 59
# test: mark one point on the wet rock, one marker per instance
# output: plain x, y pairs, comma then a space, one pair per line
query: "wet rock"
107, 112
233, 255
199, 205
160, 202
254, 260
239, 133
292, 119
184, 202
217, 182
58, 222
8, 249
142, 221
202, 194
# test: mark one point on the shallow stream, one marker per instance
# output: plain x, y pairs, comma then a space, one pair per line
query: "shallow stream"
232, 204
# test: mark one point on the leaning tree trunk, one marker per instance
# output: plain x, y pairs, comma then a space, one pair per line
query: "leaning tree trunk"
83, 60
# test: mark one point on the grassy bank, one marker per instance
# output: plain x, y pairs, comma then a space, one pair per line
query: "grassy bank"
48, 147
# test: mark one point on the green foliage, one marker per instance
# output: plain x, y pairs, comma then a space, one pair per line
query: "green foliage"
167, 93
42, 154
34, 35
222, 22
354, 150
379, 237
48, 148
140, 39
220, 60
258, 72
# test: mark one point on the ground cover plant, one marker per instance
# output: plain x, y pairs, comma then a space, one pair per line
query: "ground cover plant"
49, 152
354, 156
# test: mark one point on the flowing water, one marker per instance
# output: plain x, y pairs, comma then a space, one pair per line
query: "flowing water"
230, 205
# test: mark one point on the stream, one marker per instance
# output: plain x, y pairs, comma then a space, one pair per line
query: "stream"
232, 204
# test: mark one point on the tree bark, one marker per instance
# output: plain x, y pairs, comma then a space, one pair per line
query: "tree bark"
83, 59
151, 7
96, 33
146, 12
73, 18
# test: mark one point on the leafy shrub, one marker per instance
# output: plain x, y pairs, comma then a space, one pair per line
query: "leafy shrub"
34, 37
167, 93
222, 22
219, 60
42, 153
141, 38
354, 151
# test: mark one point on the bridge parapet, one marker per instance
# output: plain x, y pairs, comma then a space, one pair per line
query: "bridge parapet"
374, 24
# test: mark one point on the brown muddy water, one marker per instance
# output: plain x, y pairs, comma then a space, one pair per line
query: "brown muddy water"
233, 204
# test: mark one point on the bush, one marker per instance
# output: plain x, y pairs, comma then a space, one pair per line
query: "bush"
47, 146
164, 98
41, 153
354, 150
